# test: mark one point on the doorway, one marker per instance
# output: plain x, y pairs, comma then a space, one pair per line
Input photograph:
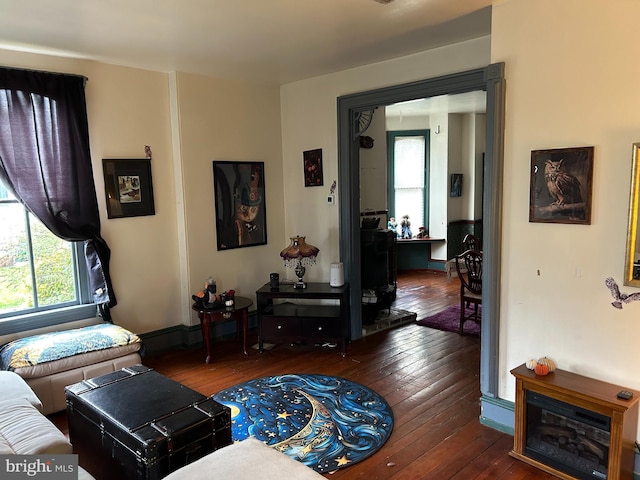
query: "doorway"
350, 109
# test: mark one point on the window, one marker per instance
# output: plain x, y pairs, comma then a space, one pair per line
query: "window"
45, 161
409, 162
38, 270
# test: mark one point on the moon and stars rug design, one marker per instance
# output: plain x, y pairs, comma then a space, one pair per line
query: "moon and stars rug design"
322, 421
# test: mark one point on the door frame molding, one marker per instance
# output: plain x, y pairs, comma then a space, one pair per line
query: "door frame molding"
490, 79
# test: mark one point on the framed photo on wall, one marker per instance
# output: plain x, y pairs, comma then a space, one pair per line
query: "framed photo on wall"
456, 185
561, 185
312, 167
240, 204
128, 187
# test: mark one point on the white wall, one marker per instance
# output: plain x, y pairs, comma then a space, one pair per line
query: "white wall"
439, 183
572, 80
472, 141
456, 163
413, 122
479, 147
374, 169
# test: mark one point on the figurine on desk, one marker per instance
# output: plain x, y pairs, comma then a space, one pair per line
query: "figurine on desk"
405, 224
393, 225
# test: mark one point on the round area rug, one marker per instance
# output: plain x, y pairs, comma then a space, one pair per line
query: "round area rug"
323, 422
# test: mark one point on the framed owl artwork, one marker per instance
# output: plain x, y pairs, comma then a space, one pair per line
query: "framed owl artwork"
561, 185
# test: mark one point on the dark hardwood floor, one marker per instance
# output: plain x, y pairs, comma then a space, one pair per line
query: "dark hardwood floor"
426, 292
429, 377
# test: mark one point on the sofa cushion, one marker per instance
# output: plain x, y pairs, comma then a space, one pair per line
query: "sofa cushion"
52, 346
25, 431
249, 459
76, 361
13, 386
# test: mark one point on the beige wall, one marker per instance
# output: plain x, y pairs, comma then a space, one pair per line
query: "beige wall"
158, 261
309, 120
572, 80
128, 109
226, 120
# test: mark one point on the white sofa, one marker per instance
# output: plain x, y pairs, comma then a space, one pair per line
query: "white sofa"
249, 459
24, 430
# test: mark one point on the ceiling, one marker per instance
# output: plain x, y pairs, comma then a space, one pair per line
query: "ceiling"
275, 41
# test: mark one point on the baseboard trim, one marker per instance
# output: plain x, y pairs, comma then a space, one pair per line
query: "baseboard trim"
497, 413
189, 337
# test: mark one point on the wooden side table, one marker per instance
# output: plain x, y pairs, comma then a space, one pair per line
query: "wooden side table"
239, 311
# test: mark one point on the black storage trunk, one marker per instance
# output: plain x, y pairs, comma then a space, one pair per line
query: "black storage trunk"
137, 424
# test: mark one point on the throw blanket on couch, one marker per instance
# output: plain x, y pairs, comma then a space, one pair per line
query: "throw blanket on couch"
47, 347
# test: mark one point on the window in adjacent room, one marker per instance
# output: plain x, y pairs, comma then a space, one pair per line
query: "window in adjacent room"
408, 178
38, 270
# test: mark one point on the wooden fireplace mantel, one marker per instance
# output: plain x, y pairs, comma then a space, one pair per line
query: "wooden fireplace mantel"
587, 393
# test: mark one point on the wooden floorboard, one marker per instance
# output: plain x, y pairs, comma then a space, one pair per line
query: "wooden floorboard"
430, 378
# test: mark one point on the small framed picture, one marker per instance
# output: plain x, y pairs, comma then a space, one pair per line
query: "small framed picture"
128, 187
561, 185
312, 167
456, 185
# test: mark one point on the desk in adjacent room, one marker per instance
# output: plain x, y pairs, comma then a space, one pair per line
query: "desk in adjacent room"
415, 252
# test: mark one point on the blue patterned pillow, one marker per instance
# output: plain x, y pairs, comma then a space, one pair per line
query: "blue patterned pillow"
47, 347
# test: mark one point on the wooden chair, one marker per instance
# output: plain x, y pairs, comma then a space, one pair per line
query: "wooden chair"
471, 242
469, 268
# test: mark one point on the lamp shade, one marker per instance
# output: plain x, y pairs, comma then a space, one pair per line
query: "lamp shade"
299, 250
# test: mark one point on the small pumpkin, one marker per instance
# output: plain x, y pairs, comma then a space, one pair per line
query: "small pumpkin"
541, 369
531, 363
548, 362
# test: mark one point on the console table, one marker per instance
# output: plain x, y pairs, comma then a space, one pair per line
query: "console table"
295, 321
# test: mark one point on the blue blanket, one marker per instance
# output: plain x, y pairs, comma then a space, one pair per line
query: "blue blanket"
47, 347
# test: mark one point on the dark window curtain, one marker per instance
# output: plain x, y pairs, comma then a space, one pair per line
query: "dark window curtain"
46, 163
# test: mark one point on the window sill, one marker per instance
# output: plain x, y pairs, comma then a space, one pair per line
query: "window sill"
47, 318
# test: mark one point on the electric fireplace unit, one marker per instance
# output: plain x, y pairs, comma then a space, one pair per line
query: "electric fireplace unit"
568, 438
574, 427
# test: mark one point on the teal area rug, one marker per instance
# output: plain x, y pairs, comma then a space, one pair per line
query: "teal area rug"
324, 422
